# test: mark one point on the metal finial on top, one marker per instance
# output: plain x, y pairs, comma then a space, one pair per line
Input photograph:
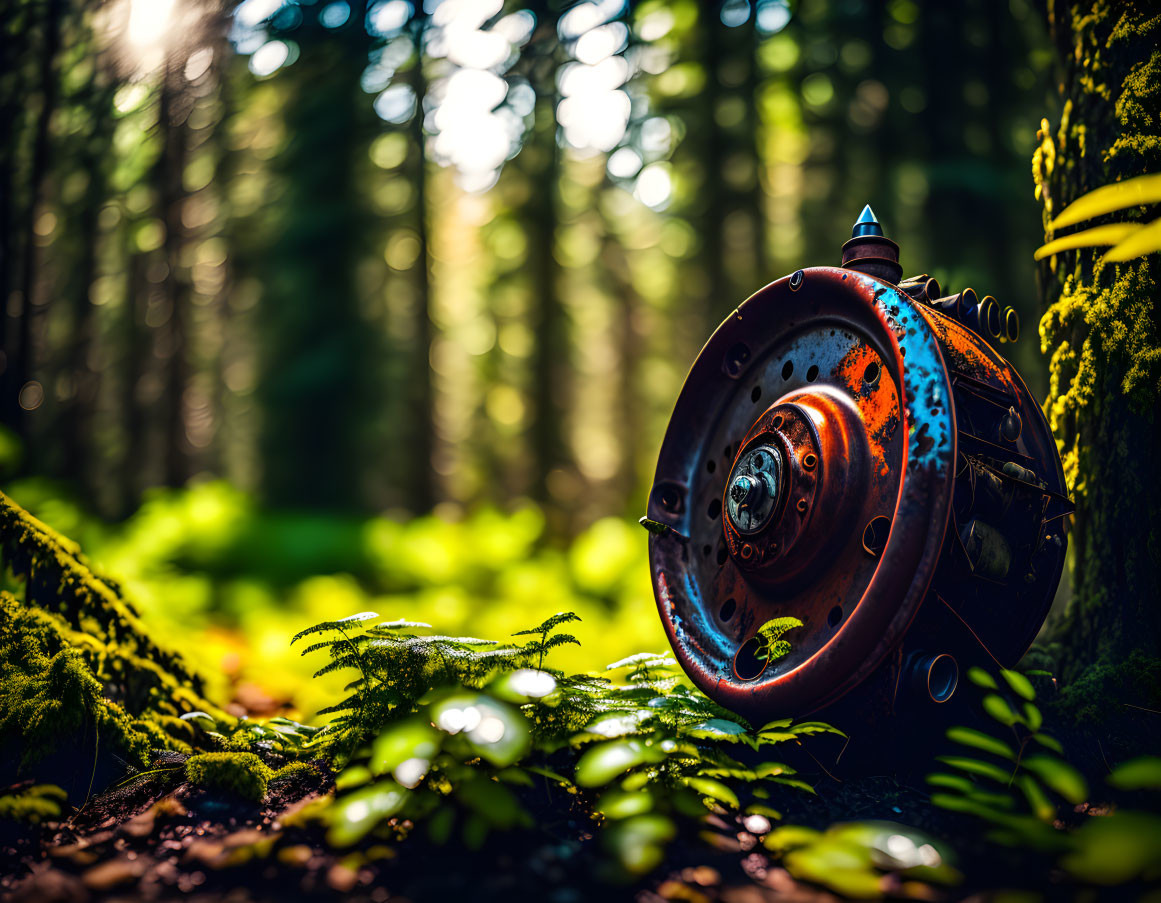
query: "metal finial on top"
866, 224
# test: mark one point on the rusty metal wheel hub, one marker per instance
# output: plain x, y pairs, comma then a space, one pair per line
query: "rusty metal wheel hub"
840, 454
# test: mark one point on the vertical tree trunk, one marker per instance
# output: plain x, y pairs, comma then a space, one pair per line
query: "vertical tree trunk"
1102, 326
19, 352
420, 486
170, 169
551, 352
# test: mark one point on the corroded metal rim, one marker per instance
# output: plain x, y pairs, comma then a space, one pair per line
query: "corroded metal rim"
716, 391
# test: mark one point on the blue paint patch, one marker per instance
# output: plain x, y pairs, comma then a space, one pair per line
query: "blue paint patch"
930, 440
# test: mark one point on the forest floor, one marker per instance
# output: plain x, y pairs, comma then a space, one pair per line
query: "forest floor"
154, 842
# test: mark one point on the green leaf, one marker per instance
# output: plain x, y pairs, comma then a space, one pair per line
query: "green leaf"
643, 660
967, 805
413, 738
1049, 742
1059, 776
1042, 807
352, 776
493, 802
495, 730
1143, 773
967, 736
1116, 849
1032, 717
614, 724
999, 708
788, 837
1020, 684
1146, 240
714, 790
717, 729
1098, 236
603, 762
981, 678
201, 721
334, 625
772, 769
399, 624
977, 767
358, 813
796, 783
805, 728
1133, 192
950, 782
637, 841
771, 737
561, 617
624, 804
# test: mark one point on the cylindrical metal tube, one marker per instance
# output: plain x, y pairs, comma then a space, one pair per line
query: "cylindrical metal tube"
1011, 324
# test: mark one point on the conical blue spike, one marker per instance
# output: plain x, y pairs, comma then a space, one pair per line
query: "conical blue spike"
866, 224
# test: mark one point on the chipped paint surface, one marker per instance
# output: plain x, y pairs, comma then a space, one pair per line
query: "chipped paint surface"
931, 430
777, 347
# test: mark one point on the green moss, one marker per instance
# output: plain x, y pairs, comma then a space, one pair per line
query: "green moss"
32, 805
59, 580
240, 774
295, 769
77, 669
1105, 689
1102, 330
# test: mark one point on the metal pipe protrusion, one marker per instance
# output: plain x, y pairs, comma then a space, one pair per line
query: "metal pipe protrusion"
933, 676
984, 319
957, 306
1011, 324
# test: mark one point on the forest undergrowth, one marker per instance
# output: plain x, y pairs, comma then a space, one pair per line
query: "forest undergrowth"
120, 771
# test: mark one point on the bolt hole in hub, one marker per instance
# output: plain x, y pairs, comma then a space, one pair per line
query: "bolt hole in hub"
749, 662
875, 535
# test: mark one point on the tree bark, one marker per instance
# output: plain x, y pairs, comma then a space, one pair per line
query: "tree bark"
1102, 326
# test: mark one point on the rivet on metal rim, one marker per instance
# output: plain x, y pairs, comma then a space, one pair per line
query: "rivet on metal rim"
796, 280
809, 461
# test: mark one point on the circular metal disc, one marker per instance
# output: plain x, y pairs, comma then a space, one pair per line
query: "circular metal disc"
849, 343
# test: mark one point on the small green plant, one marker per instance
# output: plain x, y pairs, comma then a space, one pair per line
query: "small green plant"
771, 646
1020, 784
865, 860
452, 734
990, 780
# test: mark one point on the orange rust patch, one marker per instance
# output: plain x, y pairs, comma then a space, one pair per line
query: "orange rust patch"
878, 405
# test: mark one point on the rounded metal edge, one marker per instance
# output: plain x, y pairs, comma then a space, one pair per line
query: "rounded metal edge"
928, 479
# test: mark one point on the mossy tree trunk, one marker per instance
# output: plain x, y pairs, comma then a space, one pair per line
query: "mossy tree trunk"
1102, 328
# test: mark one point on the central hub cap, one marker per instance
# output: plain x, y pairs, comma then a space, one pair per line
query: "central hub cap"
798, 475
753, 489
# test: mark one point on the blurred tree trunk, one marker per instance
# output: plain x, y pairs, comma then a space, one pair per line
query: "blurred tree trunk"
1102, 326
134, 349
541, 161
18, 350
420, 486
76, 420
314, 386
174, 335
